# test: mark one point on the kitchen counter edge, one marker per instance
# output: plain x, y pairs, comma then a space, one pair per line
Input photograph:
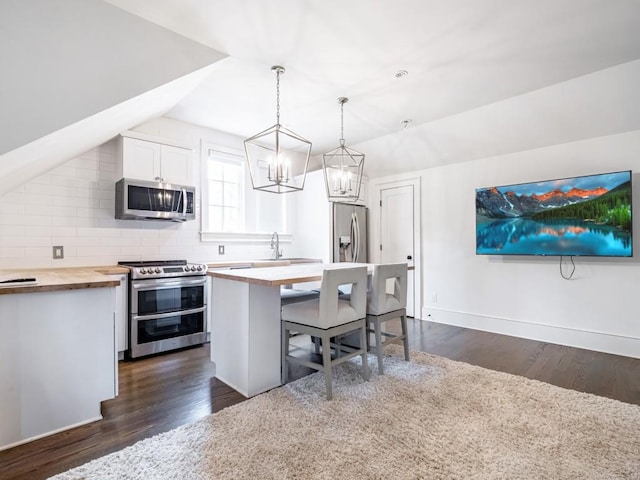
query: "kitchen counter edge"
58, 279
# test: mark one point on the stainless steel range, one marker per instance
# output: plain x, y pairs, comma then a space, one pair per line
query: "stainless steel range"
168, 303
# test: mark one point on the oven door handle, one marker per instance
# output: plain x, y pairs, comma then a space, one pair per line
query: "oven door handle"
162, 284
170, 314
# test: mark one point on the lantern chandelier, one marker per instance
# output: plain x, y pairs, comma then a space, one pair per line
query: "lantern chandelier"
342, 168
277, 157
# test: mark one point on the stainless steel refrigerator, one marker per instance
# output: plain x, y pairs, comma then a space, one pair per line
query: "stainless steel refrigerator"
349, 232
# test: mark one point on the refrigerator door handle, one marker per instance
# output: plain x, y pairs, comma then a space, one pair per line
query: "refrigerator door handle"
356, 237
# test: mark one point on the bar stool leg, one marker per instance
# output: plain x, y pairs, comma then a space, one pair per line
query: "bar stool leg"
363, 341
326, 363
403, 322
378, 334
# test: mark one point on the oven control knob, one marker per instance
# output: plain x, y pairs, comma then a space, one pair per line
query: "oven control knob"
186, 269
199, 268
157, 270
142, 271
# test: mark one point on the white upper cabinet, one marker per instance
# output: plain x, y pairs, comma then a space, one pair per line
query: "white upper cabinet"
153, 161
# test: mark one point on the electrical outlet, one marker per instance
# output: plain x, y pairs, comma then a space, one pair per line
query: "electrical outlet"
220, 249
434, 298
58, 252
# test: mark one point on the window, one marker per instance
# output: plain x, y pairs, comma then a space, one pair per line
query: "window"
225, 189
231, 209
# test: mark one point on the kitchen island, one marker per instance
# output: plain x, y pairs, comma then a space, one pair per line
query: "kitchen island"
57, 352
245, 315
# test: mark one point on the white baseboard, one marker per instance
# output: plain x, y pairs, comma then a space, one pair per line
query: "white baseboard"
598, 341
52, 432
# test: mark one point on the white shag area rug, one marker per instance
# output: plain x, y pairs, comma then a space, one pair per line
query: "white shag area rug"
431, 418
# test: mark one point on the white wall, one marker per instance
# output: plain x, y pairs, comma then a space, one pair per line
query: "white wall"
526, 296
73, 206
66, 60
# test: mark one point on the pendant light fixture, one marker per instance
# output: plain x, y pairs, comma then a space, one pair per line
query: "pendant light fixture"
343, 168
277, 157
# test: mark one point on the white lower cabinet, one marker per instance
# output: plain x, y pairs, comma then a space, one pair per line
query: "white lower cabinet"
57, 361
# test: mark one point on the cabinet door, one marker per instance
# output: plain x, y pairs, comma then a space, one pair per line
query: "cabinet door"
140, 159
175, 165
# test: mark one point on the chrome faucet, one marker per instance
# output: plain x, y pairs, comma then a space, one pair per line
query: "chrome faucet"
275, 245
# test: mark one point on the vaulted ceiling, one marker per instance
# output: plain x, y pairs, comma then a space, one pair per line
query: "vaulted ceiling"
483, 77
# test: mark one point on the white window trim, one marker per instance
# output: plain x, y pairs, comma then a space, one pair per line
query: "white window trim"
244, 237
227, 237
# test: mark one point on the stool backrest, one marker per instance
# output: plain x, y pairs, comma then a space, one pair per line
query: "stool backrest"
379, 301
331, 309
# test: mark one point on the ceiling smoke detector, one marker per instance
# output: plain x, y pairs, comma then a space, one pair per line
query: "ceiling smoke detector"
401, 73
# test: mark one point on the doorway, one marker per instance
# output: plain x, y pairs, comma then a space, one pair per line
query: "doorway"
399, 226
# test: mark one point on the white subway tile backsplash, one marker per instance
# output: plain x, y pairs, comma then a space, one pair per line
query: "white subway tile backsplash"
11, 209
73, 206
103, 194
107, 167
85, 202
68, 182
44, 252
84, 162
97, 232
25, 241
107, 185
11, 252
10, 220
93, 212
96, 251
48, 209
12, 231
36, 188
71, 221
37, 231
129, 241
87, 174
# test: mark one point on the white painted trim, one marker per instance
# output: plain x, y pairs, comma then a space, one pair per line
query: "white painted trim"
52, 432
206, 148
238, 237
616, 344
375, 193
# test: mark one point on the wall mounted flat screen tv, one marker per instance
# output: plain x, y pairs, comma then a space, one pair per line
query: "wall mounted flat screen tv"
588, 215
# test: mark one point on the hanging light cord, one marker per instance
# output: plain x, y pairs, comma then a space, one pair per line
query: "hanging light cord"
341, 123
573, 269
278, 97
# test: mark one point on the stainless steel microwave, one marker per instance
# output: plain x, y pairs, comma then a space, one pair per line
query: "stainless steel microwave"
144, 200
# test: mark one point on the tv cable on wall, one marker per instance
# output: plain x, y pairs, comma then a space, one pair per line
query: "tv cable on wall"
562, 270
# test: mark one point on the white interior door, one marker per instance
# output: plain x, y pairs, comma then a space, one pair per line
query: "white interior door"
397, 232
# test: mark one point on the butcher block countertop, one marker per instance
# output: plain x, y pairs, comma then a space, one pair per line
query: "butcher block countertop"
262, 263
282, 275
57, 279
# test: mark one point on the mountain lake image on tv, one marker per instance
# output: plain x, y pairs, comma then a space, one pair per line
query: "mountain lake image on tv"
588, 215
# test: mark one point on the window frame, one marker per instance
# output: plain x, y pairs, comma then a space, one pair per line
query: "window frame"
207, 235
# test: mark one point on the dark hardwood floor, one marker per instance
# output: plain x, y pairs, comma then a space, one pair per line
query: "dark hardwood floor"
162, 392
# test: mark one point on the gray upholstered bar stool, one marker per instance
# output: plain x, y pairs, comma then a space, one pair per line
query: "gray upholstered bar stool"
326, 317
382, 307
